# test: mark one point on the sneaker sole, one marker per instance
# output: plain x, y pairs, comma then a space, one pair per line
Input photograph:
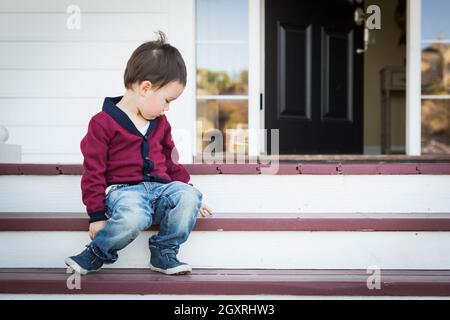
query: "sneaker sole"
180, 270
77, 268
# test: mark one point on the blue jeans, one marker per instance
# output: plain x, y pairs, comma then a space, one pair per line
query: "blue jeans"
134, 208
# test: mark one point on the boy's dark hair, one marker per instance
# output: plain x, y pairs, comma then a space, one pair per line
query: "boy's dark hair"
157, 62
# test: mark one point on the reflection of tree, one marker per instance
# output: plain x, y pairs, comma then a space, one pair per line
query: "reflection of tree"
222, 115
436, 126
220, 82
436, 113
435, 68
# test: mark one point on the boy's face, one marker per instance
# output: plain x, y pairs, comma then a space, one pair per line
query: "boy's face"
155, 101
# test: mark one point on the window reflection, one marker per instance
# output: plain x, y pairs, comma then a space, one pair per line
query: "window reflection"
222, 20
436, 126
211, 82
436, 69
435, 19
222, 75
435, 77
230, 118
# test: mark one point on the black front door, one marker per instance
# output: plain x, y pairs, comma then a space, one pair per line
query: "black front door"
313, 76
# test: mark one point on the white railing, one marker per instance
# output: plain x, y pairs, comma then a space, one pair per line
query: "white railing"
9, 153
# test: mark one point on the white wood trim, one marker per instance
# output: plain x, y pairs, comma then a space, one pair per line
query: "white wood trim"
32, 27
431, 41
221, 41
261, 118
436, 97
223, 97
103, 6
183, 118
254, 75
413, 83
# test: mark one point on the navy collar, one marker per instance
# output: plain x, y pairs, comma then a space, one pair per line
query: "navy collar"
110, 107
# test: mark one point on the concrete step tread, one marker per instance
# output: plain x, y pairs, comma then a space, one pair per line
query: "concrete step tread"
226, 281
66, 221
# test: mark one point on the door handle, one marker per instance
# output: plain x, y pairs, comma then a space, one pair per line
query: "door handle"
360, 20
366, 41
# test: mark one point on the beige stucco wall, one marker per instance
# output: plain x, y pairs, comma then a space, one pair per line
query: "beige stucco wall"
383, 51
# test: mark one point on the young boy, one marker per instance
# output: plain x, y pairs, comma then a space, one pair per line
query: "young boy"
131, 177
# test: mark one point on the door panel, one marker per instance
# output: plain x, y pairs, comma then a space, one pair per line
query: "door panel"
314, 76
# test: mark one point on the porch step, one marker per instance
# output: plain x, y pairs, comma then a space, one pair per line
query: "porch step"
63, 221
283, 241
230, 282
310, 229
250, 193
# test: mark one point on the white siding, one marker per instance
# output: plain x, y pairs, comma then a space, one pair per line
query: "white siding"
53, 79
86, 5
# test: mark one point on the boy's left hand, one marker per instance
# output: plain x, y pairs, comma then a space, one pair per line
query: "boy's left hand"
205, 210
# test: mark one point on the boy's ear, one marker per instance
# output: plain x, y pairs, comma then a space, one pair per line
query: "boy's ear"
145, 86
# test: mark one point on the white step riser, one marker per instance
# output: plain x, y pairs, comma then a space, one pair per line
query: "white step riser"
257, 193
277, 250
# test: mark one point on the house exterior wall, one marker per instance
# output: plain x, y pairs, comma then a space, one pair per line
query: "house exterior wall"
53, 78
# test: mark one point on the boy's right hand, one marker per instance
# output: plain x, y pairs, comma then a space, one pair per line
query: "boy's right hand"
95, 227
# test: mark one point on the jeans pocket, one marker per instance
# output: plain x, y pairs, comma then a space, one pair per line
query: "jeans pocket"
115, 187
110, 199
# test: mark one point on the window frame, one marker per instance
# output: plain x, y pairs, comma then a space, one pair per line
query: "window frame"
416, 98
413, 77
255, 79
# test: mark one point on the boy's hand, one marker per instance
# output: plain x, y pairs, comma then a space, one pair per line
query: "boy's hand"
95, 227
205, 210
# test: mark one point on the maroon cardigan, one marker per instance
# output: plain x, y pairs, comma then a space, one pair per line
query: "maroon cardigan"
116, 152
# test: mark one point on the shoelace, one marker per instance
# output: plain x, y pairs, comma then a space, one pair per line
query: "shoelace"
95, 259
170, 254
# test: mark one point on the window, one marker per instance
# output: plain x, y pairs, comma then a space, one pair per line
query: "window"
435, 77
222, 74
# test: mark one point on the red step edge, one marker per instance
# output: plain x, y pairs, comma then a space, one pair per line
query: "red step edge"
230, 282
244, 222
253, 169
